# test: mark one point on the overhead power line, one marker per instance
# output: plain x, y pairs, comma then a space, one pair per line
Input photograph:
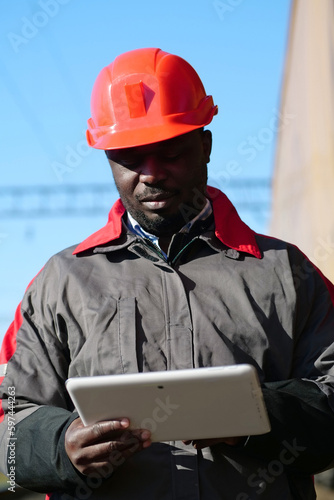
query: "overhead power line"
96, 199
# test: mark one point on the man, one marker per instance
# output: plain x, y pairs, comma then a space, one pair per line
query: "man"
175, 280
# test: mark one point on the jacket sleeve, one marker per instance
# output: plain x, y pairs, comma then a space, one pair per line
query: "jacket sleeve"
302, 428
301, 409
35, 407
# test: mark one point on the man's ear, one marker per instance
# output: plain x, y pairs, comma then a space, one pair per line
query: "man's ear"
207, 144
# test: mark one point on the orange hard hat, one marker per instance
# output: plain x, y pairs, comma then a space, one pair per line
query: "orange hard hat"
146, 96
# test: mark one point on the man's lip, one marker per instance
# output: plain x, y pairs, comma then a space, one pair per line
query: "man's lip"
158, 202
158, 197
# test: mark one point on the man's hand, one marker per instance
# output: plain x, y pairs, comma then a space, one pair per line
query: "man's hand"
104, 445
204, 443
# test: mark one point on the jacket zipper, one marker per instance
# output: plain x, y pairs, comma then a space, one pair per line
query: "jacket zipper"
155, 248
173, 261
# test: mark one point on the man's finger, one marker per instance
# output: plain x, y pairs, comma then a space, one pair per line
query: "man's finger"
102, 431
112, 428
111, 452
78, 435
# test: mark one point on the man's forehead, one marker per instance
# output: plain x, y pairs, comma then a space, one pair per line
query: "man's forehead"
155, 146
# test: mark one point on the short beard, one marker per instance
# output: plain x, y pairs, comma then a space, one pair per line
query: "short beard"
170, 224
159, 226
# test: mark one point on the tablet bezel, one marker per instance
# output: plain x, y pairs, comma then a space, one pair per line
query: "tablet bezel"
199, 403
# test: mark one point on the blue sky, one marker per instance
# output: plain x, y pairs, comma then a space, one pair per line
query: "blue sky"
51, 53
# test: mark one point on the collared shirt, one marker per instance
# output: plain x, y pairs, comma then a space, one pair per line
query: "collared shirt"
136, 228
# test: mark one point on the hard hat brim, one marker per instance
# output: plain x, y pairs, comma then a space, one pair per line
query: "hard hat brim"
112, 138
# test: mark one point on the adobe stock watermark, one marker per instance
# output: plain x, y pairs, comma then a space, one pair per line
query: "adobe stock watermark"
11, 441
72, 160
323, 251
32, 25
253, 145
160, 413
226, 7
275, 468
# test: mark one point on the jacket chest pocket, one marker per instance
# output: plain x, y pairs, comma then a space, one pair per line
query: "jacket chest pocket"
108, 339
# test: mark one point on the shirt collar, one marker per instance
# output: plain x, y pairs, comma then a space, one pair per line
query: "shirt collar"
136, 228
229, 228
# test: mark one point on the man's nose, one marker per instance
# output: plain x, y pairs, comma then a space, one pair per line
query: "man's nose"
152, 170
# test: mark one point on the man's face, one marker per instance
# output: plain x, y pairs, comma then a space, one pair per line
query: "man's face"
162, 185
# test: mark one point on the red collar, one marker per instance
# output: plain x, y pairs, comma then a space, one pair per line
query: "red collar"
230, 229
111, 231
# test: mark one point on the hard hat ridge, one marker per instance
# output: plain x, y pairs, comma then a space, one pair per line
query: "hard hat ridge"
146, 96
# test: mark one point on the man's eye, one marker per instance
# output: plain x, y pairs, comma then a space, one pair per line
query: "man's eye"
171, 156
129, 163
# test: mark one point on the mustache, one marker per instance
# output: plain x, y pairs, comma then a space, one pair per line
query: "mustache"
154, 191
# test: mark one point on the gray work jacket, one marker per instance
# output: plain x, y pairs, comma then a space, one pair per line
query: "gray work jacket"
225, 295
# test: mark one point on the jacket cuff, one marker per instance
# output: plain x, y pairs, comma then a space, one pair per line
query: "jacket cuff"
302, 427
42, 464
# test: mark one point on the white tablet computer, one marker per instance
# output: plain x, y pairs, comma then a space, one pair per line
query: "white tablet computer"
197, 403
